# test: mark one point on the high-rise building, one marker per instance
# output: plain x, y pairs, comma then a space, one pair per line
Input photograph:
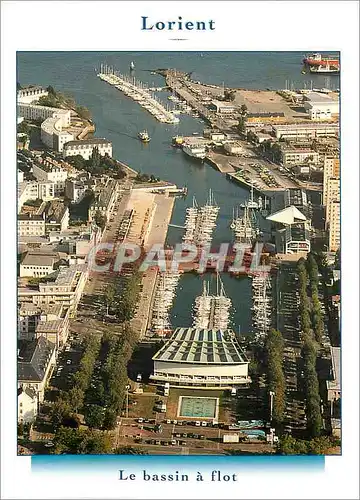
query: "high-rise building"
331, 200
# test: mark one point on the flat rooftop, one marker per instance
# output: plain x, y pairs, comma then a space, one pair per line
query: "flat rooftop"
95, 140
198, 346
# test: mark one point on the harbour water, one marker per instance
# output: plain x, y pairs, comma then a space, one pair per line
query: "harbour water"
119, 119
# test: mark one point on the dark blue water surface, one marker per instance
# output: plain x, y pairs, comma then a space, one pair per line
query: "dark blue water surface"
119, 119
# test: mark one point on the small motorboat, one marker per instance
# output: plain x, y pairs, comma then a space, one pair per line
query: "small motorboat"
144, 136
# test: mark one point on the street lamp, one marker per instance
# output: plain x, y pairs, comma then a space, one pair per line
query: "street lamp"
272, 394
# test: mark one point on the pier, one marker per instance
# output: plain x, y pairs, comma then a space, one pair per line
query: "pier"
137, 91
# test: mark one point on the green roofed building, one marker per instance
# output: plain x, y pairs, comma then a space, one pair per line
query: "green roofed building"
201, 358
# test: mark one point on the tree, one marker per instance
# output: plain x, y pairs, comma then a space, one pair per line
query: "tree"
100, 220
76, 398
76, 441
276, 152
243, 110
110, 418
274, 346
94, 416
83, 112
51, 90
23, 128
76, 161
242, 125
109, 296
60, 409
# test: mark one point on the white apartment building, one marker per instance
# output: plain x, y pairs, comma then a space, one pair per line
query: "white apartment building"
65, 290
53, 135
297, 156
85, 147
33, 190
306, 130
55, 174
27, 95
54, 121
36, 112
27, 405
334, 225
31, 225
320, 106
37, 264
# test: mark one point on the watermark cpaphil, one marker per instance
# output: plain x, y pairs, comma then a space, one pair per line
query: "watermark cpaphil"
233, 258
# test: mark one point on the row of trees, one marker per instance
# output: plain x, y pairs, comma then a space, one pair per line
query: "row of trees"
313, 402
317, 316
56, 99
274, 347
72, 401
123, 302
110, 390
288, 445
308, 272
81, 441
146, 178
88, 442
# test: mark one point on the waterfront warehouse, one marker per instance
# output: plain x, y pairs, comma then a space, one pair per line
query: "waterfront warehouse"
201, 358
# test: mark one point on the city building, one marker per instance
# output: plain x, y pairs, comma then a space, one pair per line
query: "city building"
38, 264
333, 225
320, 106
28, 95
85, 147
56, 215
31, 225
105, 197
296, 156
34, 190
331, 172
36, 361
305, 130
292, 231
331, 193
56, 330
201, 358
75, 190
53, 135
224, 107
27, 405
54, 121
65, 290
233, 148
56, 174
28, 318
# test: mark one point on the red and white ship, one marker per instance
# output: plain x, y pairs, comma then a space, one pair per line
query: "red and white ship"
318, 59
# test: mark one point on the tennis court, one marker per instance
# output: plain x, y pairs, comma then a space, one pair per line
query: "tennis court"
198, 407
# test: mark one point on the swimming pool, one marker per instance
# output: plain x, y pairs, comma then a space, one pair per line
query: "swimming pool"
196, 407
